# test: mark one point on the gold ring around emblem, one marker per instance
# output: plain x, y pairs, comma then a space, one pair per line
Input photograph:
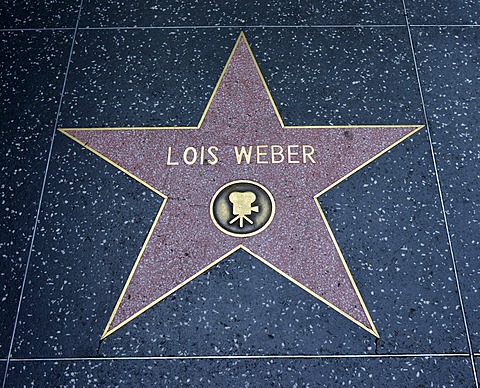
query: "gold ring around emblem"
242, 208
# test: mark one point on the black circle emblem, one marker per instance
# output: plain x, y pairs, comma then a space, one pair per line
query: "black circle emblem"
242, 208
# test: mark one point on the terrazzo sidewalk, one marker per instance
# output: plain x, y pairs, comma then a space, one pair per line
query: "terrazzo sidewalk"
399, 229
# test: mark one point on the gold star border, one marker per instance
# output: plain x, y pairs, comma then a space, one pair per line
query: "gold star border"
107, 331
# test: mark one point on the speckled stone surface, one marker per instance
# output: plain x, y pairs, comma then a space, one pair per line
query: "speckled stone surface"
239, 307
31, 86
90, 230
240, 13
371, 372
449, 63
387, 216
107, 88
36, 14
339, 75
299, 66
93, 220
443, 12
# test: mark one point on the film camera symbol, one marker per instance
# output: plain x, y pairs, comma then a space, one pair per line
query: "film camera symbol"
242, 208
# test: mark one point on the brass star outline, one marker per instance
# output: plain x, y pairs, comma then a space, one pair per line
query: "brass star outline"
109, 330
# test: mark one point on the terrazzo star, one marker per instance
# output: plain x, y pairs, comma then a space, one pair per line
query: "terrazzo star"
219, 198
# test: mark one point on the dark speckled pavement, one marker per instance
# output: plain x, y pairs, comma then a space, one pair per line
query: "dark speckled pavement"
72, 224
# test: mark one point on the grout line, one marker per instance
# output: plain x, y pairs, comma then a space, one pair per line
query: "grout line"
241, 26
235, 27
37, 29
32, 241
442, 202
206, 27
445, 25
239, 357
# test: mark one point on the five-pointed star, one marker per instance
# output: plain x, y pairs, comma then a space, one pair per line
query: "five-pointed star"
183, 241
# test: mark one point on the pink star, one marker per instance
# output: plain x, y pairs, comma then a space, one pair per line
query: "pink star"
187, 165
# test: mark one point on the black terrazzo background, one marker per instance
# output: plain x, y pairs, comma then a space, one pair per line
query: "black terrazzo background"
144, 77
443, 12
339, 76
452, 98
240, 307
90, 231
39, 14
31, 85
388, 222
239, 13
371, 372
388, 218
305, 69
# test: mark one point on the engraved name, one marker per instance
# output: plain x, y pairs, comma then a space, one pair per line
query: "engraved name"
251, 154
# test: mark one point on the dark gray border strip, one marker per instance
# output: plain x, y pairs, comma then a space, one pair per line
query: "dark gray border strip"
40, 201
238, 27
213, 27
239, 357
442, 201
445, 25
37, 29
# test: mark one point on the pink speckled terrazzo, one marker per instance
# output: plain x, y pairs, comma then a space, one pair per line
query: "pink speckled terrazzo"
294, 163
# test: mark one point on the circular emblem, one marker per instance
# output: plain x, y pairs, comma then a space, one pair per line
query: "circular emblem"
242, 208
